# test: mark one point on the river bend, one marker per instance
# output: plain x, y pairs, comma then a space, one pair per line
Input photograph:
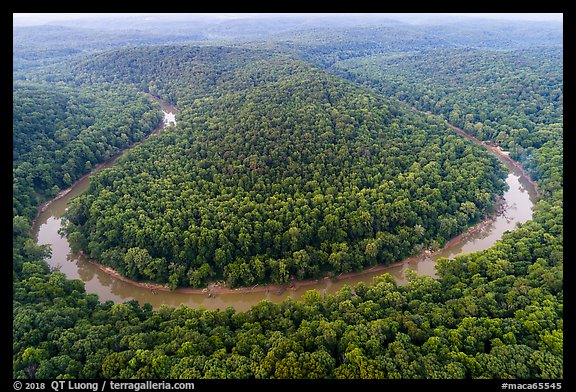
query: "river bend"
517, 208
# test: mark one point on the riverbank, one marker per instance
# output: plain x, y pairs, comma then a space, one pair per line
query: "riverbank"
495, 149
65, 192
111, 285
218, 288
166, 108
498, 150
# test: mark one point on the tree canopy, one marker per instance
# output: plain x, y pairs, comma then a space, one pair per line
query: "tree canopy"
283, 170
277, 168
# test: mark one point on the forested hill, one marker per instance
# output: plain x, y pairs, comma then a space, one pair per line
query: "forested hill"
510, 98
178, 74
276, 169
326, 45
322, 40
60, 133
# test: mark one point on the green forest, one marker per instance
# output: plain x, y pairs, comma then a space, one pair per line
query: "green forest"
61, 132
296, 155
510, 98
299, 174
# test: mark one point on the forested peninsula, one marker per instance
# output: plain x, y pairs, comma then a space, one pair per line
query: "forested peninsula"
298, 175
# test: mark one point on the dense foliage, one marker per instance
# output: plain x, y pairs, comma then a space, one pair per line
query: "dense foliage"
298, 174
328, 46
491, 314
34, 46
511, 98
59, 133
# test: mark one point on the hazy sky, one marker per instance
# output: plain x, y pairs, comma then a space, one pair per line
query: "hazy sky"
520, 16
20, 19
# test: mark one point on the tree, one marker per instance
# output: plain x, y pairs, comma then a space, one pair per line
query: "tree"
32, 358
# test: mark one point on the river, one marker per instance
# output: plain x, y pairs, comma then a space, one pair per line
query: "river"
517, 208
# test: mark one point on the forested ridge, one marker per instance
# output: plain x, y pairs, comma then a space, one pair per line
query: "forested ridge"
497, 313
282, 171
509, 98
59, 133
327, 46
